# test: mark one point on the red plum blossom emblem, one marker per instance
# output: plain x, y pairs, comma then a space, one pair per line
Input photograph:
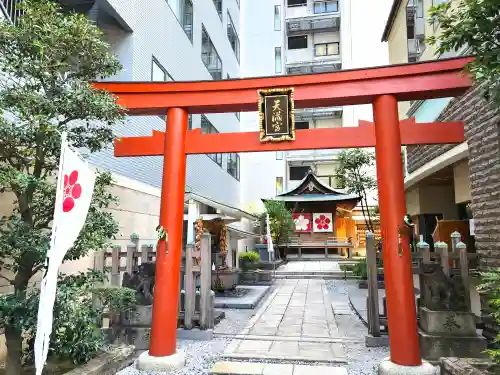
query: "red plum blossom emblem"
322, 222
72, 191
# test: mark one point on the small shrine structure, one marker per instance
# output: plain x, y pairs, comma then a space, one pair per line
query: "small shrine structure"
323, 222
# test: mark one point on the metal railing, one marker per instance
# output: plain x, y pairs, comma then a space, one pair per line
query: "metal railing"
329, 22
10, 10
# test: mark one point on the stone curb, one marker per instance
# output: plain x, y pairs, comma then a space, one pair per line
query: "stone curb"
108, 363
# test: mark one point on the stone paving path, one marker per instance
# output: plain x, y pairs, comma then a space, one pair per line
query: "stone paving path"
302, 328
296, 323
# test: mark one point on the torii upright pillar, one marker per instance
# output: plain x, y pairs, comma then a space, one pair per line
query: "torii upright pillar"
403, 333
162, 353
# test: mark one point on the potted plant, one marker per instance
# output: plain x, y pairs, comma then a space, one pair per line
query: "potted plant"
248, 259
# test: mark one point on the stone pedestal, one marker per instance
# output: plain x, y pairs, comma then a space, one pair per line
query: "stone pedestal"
229, 277
146, 362
449, 334
386, 367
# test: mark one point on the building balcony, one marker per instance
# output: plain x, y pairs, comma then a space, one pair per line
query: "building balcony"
307, 114
316, 23
415, 49
316, 66
297, 158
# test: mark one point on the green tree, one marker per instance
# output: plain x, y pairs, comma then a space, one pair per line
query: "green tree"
472, 24
48, 61
281, 222
354, 173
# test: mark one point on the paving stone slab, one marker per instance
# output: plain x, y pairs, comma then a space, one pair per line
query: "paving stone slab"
245, 368
237, 368
249, 301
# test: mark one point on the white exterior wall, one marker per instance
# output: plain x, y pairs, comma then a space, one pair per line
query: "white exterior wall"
259, 39
157, 32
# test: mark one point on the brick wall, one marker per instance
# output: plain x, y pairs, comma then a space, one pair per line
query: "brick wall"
482, 131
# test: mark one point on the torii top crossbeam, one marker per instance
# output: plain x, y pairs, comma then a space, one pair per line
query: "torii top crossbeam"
425, 80
382, 87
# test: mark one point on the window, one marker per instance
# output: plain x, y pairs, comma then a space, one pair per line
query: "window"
233, 165
326, 49
302, 125
277, 60
233, 37
326, 7
279, 185
158, 72
279, 155
297, 42
237, 114
296, 3
218, 7
190, 122
298, 173
208, 128
277, 17
209, 55
187, 19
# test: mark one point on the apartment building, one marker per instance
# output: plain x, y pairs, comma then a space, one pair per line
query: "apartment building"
454, 182
304, 37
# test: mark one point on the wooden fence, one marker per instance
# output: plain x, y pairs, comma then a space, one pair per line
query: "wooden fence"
196, 300
458, 261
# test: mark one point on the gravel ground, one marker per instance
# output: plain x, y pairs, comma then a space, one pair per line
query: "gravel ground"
201, 355
361, 360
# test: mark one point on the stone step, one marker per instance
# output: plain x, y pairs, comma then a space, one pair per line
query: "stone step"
295, 276
302, 338
249, 368
255, 357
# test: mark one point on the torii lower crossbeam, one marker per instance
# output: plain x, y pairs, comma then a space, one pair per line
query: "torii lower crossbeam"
311, 139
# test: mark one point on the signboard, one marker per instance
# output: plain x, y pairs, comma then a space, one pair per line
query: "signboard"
276, 120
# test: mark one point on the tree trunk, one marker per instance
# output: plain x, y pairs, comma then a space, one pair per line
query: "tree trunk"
372, 228
14, 343
364, 216
13, 335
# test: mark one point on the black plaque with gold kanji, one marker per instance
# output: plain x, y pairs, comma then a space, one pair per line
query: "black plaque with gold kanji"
276, 115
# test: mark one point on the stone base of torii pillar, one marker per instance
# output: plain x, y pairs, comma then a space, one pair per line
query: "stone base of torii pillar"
147, 362
386, 367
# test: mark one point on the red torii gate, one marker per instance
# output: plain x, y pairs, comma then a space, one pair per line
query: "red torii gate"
382, 87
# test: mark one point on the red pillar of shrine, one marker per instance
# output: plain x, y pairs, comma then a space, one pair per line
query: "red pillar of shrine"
168, 258
402, 319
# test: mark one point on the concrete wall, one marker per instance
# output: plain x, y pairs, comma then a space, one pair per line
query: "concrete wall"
461, 180
432, 200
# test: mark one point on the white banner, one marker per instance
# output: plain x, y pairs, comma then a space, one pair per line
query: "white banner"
75, 185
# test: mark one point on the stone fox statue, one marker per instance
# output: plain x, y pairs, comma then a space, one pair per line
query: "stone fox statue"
142, 281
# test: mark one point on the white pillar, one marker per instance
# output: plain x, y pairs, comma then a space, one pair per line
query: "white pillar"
229, 256
193, 215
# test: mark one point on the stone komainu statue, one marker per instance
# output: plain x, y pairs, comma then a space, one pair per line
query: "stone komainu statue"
142, 281
442, 293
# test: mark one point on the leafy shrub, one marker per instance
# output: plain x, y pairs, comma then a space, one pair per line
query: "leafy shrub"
360, 269
218, 285
491, 287
76, 333
346, 267
250, 256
